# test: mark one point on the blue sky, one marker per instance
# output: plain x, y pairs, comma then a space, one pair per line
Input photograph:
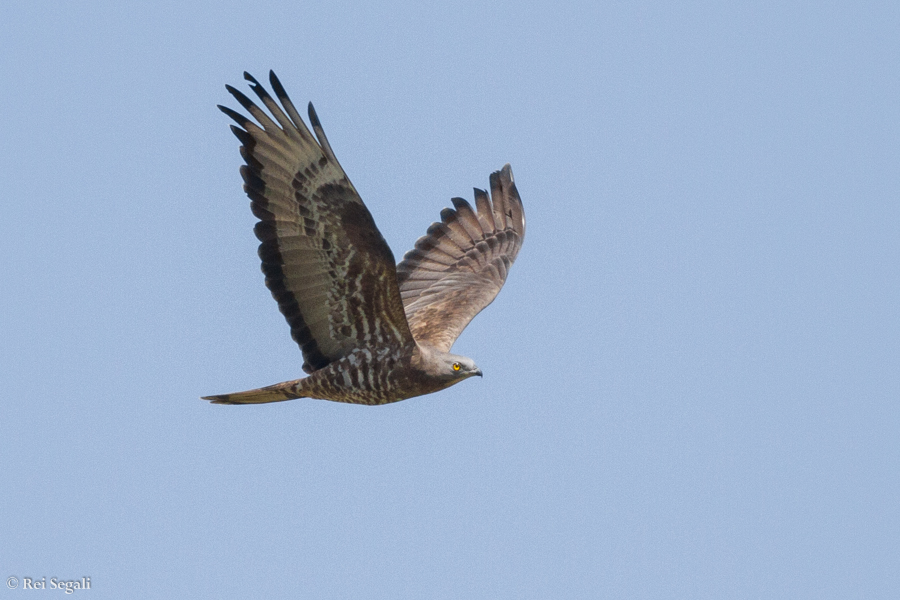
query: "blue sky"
691, 377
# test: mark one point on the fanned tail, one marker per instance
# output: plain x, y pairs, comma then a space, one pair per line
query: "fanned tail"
289, 390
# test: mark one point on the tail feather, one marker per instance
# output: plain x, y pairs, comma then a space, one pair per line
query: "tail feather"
289, 390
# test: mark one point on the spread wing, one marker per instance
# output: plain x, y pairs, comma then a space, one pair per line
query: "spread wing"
459, 266
325, 261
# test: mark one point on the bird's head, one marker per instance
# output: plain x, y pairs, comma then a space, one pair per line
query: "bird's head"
445, 367
458, 368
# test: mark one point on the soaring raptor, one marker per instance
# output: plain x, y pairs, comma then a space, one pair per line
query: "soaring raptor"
370, 332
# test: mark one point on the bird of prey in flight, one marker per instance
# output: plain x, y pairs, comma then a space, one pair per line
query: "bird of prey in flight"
371, 331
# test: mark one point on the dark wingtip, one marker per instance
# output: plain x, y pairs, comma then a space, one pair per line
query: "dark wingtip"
236, 116
504, 174
313, 117
246, 102
460, 204
257, 87
276, 85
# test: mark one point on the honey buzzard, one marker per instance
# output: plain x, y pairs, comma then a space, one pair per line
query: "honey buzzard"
370, 332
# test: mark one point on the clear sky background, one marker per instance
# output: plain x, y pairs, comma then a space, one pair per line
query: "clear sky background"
691, 377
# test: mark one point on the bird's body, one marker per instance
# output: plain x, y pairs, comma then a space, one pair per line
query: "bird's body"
371, 332
361, 377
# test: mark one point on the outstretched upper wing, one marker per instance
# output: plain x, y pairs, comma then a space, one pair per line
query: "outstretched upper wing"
325, 261
460, 265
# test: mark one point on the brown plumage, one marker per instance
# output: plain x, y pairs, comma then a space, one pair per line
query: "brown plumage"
370, 332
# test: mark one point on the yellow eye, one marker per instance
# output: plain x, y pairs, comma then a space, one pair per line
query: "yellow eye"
456, 366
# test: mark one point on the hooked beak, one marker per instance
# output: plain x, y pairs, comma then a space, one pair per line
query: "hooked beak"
478, 372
